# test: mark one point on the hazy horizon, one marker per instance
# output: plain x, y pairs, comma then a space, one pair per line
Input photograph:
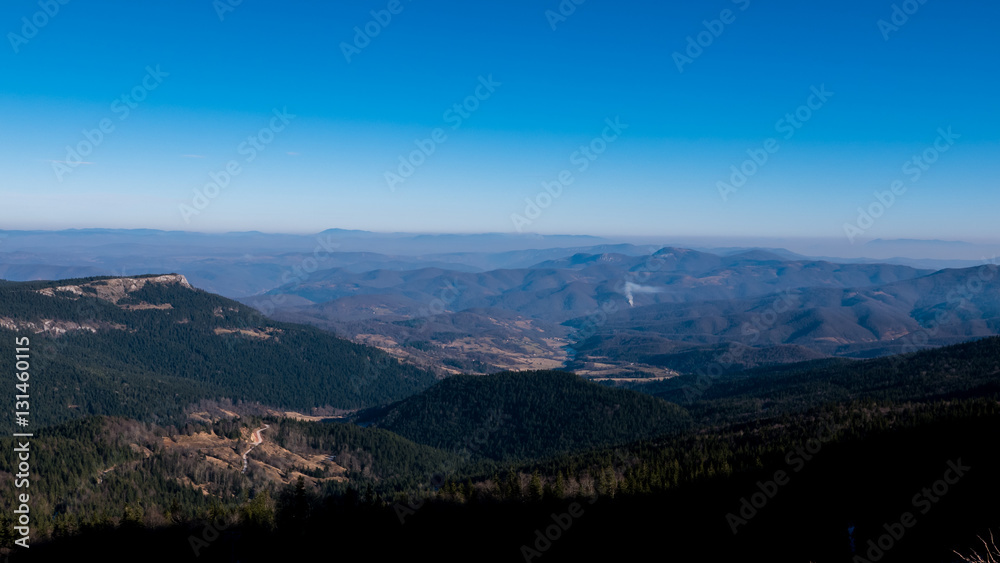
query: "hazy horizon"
981, 250
729, 119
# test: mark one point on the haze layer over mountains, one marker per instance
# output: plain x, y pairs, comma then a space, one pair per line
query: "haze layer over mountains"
604, 308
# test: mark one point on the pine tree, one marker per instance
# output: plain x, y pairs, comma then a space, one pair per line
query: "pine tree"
468, 490
559, 489
535, 487
513, 485
259, 512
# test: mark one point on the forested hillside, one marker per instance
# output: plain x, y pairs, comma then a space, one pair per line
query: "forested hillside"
101, 347
100, 472
848, 470
528, 415
961, 371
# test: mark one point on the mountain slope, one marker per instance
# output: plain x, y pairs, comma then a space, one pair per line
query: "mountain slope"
527, 415
144, 347
942, 308
961, 371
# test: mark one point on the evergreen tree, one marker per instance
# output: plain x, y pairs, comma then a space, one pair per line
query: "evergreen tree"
535, 487
559, 488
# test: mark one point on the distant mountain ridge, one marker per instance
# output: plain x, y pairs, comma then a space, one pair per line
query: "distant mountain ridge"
941, 308
493, 302
531, 318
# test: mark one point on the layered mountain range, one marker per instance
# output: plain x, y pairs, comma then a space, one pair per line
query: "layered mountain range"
622, 316
160, 410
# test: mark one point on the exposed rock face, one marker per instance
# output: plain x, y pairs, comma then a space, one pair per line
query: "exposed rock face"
112, 290
55, 327
116, 288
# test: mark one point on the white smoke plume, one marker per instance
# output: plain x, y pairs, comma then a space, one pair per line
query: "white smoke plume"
632, 288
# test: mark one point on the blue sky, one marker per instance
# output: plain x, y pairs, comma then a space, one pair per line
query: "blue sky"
212, 82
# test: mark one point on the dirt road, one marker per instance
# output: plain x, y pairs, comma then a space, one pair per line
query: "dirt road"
257, 440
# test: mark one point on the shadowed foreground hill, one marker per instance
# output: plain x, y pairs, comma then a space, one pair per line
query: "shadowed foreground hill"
528, 414
809, 463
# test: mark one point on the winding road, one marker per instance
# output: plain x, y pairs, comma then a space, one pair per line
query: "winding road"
257, 440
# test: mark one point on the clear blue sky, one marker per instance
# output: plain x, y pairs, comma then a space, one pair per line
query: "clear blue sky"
221, 81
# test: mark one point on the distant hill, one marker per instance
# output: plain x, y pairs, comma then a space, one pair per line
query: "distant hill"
144, 347
941, 308
527, 415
